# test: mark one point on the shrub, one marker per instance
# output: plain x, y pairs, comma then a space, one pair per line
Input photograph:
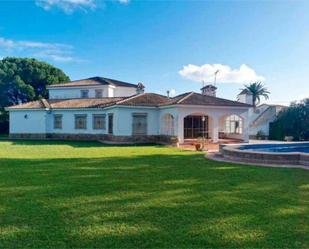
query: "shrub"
292, 121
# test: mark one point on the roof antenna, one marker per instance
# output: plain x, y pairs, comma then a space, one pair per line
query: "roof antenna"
168, 93
215, 80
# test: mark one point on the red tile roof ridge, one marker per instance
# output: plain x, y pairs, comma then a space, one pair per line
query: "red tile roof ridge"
185, 97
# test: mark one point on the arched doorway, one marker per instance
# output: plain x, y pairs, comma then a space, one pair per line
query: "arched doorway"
196, 126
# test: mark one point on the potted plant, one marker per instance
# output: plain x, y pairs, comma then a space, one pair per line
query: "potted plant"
197, 146
200, 144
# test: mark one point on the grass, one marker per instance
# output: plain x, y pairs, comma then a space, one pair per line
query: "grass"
86, 195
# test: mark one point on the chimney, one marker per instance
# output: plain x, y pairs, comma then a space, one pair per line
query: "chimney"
245, 97
140, 88
209, 90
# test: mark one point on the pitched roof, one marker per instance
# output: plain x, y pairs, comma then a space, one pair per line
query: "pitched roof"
94, 81
144, 99
67, 103
193, 98
38, 104
189, 98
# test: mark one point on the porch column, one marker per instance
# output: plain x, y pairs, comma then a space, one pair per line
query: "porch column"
245, 122
180, 129
215, 129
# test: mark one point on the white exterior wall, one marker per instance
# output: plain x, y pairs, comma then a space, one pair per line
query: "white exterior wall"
123, 119
263, 123
245, 98
262, 127
75, 92
42, 121
34, 123
253, 114
124, 91
68, 122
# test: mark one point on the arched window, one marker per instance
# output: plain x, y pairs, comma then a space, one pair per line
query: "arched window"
233, 124
167, 125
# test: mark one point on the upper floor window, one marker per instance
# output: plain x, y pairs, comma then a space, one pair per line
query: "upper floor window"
81, 121
139, 126
57, 121
84, 94
98, 93
99, 121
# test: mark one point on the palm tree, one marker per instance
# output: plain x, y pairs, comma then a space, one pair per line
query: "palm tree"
258, 90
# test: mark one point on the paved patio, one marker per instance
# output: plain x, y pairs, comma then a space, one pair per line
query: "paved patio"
189, 144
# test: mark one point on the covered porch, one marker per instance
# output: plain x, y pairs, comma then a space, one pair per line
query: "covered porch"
213, 125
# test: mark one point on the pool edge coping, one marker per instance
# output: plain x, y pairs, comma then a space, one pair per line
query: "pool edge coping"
216, 156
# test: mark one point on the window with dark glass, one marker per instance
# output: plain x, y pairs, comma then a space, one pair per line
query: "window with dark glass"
81, 121
98, 121
84, 94
110, 123
98, 93
57, 121
139, 125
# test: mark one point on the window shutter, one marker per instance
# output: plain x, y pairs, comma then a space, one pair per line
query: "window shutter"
139, 126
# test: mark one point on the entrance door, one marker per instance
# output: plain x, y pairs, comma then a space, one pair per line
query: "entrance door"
194, 127
110, 123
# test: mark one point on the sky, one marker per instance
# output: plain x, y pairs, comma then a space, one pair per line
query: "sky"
167, 45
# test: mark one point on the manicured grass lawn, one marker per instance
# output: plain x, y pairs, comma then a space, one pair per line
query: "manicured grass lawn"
73, 195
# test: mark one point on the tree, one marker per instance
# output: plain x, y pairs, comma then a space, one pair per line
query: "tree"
23, 80
258, 90
292, 121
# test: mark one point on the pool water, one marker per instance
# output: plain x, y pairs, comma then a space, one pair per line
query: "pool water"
279, 148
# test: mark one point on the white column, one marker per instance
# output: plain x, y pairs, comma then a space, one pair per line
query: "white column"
180, 131
245, 122
215, 129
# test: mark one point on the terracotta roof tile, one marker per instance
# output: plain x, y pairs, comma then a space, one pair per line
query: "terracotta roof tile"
29, 105
200, 99
145, 99
67, 103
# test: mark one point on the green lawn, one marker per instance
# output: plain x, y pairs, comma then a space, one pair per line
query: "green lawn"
73, 195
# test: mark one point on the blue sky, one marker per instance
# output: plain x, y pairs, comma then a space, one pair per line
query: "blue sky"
167, 44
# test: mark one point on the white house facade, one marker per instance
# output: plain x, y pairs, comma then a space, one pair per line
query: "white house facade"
261, 116
112, 110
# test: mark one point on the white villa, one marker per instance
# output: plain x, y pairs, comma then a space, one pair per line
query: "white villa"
112, 110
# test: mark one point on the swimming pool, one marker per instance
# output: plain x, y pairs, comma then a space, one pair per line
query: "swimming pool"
279, 148
295, 153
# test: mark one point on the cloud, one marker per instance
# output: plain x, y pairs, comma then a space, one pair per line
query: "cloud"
172, 92
51, 51
55, 56
124, 1
226, 74
68, 6
11, 44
